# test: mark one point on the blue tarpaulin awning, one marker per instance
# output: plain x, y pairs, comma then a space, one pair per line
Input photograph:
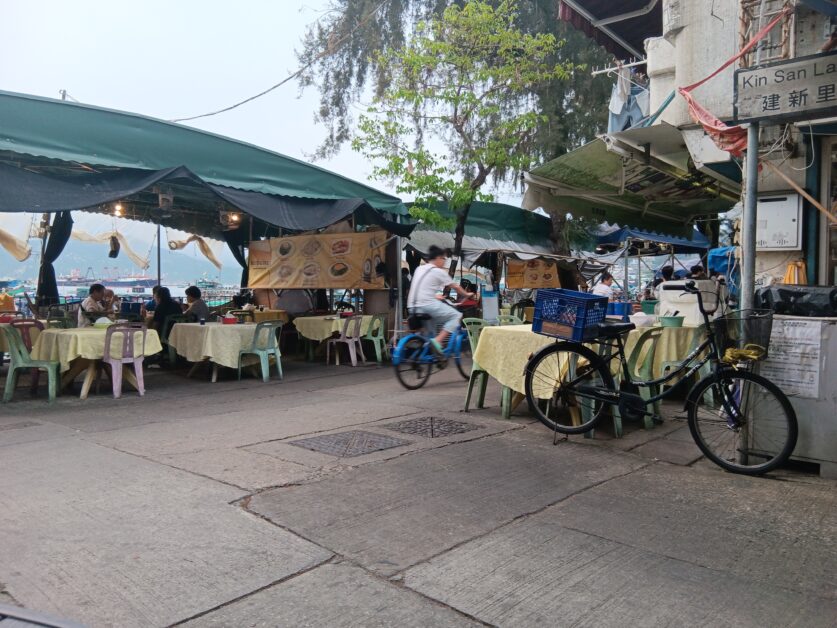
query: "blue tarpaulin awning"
697, 244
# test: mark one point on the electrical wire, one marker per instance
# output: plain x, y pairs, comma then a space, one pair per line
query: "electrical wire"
330, 50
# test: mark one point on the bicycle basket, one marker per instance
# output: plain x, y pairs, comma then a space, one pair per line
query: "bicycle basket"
743, 335
568, 314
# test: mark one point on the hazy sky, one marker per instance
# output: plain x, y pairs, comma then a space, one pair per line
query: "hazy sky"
169, 60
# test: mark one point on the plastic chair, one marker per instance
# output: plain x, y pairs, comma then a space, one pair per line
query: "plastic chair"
24, 326
518, 308
376, 334
264, 345
128, 331
350, 336
479, 377
20, 359
645, 371
703, 371
168, 322
509, 319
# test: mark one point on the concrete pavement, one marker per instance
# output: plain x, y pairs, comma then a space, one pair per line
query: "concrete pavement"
326, 500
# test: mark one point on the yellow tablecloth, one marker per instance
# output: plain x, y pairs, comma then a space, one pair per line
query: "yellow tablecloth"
504, 351
66, 345
323, 327
212, 341
4, 346
270, 315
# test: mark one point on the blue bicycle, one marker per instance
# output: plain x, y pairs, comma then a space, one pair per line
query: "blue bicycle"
414, 358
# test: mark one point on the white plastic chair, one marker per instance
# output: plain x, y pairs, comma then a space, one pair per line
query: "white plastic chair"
350, 336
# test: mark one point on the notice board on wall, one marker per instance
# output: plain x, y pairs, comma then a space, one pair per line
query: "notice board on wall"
339, 260
534, 273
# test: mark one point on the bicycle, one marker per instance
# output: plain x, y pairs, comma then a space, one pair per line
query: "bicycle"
740, 420
414, 359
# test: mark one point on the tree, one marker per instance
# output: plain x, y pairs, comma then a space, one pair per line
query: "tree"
457, 109
341, 52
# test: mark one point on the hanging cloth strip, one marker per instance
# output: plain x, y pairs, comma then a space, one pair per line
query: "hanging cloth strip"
19, 249
104, 238
732, 139
176, 245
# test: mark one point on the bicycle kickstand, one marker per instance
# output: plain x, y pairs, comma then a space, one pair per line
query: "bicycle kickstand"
555, 439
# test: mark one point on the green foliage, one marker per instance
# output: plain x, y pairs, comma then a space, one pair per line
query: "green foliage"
462, 84
344, 47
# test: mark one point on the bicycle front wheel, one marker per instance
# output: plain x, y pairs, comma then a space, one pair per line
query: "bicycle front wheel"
559, 383
463, 357
742, 422
411, 369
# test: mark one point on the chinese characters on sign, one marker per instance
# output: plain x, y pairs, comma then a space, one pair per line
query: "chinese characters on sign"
787, 89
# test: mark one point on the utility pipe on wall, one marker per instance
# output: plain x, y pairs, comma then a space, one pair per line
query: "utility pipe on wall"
748, 220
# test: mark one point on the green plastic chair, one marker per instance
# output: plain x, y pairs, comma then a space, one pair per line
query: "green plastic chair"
20, 359
509, 319
376, 334
645, 371
168, 322
479, 377
264, 345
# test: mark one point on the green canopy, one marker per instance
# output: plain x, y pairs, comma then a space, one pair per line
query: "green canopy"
94, 136
595, 182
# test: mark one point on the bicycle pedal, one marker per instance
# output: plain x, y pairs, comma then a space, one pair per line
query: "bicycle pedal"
657, 419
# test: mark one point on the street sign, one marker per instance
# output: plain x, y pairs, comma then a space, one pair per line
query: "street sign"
804, 88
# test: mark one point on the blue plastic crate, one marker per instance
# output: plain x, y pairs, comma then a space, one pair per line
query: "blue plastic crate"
622, 310
568, 314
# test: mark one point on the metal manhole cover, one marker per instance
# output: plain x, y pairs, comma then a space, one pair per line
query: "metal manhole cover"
432, 427
18, 426
348, 444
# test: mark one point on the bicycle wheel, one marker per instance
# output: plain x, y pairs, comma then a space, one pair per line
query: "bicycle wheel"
742, 422
463, 357
410, 369
556, 377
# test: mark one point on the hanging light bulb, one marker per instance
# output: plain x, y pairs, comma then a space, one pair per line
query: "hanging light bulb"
117, 210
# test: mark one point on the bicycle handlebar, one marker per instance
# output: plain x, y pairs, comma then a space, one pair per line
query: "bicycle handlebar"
690, 288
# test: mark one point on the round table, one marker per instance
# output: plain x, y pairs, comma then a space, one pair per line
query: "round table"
504, 351
213, 342
82, 349
321, 328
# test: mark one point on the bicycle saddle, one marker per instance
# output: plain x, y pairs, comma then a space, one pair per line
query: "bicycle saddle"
612, 329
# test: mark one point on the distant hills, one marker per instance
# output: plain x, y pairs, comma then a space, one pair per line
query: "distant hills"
177, 266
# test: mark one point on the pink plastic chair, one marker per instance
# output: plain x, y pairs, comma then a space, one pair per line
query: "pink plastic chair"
128, 331
350, 336
25, 326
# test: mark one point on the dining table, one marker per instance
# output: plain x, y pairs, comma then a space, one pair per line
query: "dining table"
218, 344
321, 328
33, 334
81, 350
503, 351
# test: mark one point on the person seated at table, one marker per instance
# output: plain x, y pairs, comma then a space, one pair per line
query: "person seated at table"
604, 288
697, 272
164, 306
92, 305
428, 281
111, 302
151, 304
195, 307
666, 274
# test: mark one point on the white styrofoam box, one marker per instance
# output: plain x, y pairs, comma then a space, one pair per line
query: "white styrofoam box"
686, 304
779, 222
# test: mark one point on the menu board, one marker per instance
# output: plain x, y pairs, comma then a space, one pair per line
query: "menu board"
535, 273
334, 260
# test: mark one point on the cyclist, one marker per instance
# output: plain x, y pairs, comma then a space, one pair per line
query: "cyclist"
428, 281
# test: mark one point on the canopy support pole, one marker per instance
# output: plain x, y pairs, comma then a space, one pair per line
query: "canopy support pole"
748, 221
159, 274
399, 314
625, 291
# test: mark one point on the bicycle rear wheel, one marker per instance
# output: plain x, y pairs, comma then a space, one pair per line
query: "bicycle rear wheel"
556, 378
463, 357
410, 369
742, 422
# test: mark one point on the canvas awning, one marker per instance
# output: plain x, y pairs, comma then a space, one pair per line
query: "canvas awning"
612, 184
58, 137
698, 243
620, 27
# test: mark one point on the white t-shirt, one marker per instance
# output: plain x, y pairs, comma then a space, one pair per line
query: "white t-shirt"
88, 305
603, 290
428, 280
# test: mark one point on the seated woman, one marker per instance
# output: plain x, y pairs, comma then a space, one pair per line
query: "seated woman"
165, 306
196, 308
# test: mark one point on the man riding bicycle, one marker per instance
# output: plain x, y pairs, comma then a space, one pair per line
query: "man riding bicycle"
428, 281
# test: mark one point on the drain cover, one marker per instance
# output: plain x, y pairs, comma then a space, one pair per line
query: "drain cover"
432, 427
348, 444
18, 426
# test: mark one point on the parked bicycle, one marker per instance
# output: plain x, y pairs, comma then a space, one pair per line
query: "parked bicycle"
414, 359
740, 420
